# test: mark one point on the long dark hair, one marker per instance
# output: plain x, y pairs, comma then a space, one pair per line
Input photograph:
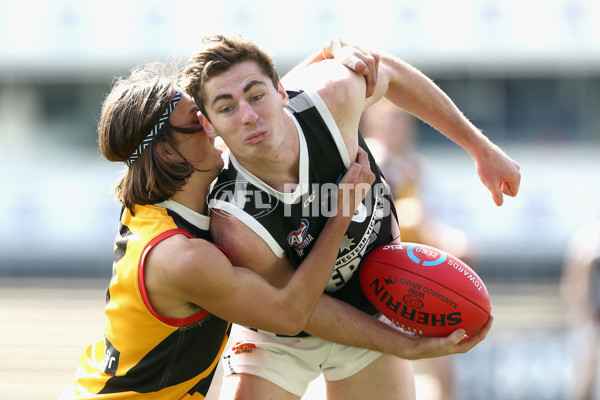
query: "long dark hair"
129, 112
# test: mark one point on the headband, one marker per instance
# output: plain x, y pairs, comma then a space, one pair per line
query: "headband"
161, 121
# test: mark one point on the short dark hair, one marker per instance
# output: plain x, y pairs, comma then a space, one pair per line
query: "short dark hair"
218, 54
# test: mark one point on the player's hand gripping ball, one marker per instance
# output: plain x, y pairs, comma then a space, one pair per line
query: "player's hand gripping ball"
424, 290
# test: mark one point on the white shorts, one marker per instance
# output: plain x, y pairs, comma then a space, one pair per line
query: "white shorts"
292, 362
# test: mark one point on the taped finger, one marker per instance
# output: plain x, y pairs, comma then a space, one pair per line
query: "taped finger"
350, 62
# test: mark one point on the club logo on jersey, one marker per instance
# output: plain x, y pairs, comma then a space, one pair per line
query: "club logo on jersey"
298, 237
347, 244
365, 230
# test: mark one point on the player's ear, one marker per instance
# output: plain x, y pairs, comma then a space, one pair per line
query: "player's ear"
284, 96
208, 128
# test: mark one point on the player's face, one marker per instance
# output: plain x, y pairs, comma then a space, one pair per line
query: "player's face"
197, 147
246, 110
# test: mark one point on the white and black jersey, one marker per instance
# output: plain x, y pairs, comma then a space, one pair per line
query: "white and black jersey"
290, 222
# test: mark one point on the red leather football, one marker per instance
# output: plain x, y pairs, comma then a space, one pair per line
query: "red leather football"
424, 290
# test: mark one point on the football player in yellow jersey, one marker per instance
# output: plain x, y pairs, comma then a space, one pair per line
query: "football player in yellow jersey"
173, 292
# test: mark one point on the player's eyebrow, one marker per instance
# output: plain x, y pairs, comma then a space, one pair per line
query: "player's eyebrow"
246, 89
253, 83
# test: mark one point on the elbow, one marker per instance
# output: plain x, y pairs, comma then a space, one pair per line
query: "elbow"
289, 332
292, 324
291, 314
294, 321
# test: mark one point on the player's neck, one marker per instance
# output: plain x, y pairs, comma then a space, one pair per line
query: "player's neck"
193, 194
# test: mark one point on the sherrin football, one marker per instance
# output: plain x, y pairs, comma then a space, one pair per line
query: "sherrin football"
424, 290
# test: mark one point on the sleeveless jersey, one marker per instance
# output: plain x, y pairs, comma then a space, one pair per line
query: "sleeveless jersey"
145, 355
290, 221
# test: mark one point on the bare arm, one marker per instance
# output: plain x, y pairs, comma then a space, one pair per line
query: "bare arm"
182, 274
411, 90
339, 322
408, 88
332, 319
362, 61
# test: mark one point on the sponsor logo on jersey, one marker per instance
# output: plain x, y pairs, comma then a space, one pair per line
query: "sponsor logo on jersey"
296, 237
111, 358
240, 347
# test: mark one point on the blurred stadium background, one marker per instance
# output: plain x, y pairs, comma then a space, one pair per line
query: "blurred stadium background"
526, 72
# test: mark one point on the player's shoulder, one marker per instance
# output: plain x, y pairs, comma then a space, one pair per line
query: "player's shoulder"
180, 252
323, 76
244, 245
230, 232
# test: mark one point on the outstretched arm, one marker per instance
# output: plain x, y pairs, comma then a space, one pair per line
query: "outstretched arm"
411, 90
348, 94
